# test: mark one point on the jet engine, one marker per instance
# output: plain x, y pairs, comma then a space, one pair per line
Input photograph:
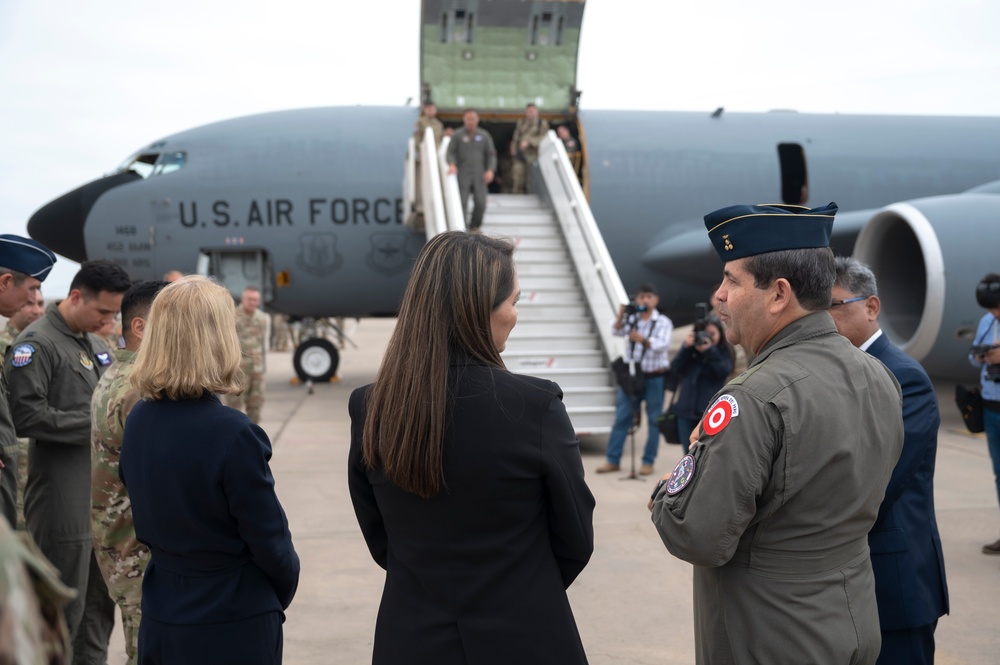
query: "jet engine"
928, 255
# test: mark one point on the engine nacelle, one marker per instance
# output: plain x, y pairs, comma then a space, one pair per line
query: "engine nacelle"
928, 255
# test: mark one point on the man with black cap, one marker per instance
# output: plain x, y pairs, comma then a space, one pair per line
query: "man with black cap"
24, 265
648, 341
51, 371
775, 500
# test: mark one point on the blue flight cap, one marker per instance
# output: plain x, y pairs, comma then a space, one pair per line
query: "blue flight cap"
26, 255
743, 230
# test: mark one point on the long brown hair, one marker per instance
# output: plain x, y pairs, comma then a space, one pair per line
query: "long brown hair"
457, 281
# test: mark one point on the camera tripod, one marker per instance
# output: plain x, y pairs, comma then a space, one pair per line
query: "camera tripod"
633, 426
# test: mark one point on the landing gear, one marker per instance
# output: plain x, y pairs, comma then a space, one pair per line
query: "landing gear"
316, 360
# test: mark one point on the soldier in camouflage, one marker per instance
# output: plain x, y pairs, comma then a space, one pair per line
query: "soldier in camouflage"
251, 326
120, 556
32, 311
32, 626
528, 134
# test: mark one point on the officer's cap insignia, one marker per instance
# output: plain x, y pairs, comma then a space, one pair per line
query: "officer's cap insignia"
22, 355
681, 476
85, 361
719, 414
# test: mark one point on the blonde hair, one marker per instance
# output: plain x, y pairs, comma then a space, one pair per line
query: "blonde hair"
190, 346
458, 280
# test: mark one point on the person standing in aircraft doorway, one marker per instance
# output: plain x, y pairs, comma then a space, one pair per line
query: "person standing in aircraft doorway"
528, 134
472, 155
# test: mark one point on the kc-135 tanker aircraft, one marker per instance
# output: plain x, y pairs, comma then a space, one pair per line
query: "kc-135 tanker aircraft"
309, 202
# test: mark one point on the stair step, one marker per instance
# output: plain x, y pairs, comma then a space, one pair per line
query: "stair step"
521, 341
529, 360
591, 420
555, 328
516, 231
580, 396
576, 377
531, 268
534, 311
548, 296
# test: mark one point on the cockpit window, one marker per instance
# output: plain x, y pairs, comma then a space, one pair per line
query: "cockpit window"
148, 164
170, 162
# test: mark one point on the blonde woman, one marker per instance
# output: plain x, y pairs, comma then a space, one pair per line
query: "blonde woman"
466, 479
222, 568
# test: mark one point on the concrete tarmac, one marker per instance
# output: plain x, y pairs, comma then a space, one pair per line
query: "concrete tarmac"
633, 602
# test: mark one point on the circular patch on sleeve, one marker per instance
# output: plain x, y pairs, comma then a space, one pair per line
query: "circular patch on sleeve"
681, 476
22, 355
717, 416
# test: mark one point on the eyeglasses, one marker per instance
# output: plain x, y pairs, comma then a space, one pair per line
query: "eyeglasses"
988, 286
838, 303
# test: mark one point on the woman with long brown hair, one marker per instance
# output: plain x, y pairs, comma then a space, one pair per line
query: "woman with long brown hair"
466, 479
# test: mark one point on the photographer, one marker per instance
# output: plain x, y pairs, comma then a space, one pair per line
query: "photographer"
986, 354
703, 363
648, 334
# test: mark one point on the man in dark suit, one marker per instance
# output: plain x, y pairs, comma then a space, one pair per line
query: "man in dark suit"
905, 546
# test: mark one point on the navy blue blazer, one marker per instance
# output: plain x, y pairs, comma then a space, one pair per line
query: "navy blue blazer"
905, 545
203, 501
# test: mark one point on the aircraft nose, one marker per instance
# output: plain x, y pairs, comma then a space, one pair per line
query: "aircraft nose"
59, 224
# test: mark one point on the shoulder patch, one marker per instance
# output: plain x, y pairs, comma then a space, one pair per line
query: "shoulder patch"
719, 415
22, 355
681, 476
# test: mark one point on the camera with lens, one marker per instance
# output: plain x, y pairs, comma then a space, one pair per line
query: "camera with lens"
701, 335
992, 371
633, 308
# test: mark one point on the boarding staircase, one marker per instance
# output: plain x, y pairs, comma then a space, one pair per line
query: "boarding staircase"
570, 289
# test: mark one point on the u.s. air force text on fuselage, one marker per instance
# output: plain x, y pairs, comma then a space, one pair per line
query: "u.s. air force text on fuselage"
278, 212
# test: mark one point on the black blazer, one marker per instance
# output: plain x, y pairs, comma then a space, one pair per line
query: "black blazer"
478, 573
905, 545
203, 501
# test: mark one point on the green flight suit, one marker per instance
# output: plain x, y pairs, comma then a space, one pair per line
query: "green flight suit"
11, 450
51, 374
472, 155
774, 503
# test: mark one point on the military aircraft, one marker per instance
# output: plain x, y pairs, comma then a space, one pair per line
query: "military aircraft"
308, 203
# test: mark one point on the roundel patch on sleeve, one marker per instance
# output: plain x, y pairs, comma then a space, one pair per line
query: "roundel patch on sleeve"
22, 354
718, 416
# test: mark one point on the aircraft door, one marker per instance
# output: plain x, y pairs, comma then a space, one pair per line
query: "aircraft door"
238, 268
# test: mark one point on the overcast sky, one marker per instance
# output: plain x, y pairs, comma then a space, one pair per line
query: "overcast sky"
85, 84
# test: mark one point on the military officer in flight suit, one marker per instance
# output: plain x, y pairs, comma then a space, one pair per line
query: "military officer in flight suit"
51, 371
472, 155
774, 503
24, 265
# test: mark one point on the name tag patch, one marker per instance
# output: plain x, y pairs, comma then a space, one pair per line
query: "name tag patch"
22, 355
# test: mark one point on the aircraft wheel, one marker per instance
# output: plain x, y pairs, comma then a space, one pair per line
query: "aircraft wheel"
316, 360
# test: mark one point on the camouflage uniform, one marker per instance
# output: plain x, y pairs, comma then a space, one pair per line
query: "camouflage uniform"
532, 131
32, 626
18, 460
121, 557
423, 122
252, 330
